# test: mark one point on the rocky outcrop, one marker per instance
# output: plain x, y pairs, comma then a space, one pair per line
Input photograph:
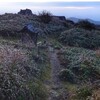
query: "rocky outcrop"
63, 18
32, 32
25, 12
29, 28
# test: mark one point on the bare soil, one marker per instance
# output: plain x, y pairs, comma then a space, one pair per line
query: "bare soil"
56, 90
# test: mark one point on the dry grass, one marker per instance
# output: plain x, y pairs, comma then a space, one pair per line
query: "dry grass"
98, 52
12, 72
95, 95
11, 55
19, 73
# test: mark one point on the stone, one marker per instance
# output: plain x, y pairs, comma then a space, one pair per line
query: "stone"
25, 12
63, 18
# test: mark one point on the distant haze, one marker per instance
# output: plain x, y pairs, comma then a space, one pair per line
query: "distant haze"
83, 10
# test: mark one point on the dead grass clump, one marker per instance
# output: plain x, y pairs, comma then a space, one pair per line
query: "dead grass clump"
96, 95
11, 55
98, 53
19, 75
12, 74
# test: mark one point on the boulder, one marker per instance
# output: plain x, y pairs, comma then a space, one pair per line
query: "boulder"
25, 12
63, 18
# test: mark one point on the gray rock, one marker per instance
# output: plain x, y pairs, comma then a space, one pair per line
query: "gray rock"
25, 12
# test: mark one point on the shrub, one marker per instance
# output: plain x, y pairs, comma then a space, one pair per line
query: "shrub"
95, 95
70, 21
20, 76
81, 38
83, 93
45, 17
85, 70
66, 75
85, 24
83, 63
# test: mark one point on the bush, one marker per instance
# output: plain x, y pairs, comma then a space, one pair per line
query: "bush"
83, 63
66, 75
85, 25
20, 76
45, 17
83, 93
84, 71
70, 21
81, 38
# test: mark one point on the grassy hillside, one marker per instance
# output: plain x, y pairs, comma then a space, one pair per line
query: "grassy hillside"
80, 67
11, 24
21, 76
66, 67
81, 38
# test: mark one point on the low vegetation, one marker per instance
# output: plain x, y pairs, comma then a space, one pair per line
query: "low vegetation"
21, 77
84, 93
66, 75
83, 63
25, 71
80, 38
85, 25
80, 69
45, 17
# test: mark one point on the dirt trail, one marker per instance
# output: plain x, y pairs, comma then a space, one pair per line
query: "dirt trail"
55, 84
55, 66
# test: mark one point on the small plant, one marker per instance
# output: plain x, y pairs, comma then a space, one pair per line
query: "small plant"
86, 25
66, 75
83, 93
45, 17
98, 53
95, 95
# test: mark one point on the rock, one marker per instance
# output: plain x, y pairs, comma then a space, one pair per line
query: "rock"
25, 12
30, 28
63, 18
32, 32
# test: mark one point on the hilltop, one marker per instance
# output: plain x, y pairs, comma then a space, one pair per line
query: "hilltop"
12, 23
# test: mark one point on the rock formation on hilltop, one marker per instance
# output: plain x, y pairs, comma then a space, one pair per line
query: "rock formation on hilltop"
25, 12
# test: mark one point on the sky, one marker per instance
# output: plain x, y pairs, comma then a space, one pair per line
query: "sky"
79, 9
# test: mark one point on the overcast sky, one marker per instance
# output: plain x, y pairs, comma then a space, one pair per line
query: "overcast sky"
62, 8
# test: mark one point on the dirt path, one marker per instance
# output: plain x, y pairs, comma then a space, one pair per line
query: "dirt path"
55, 66
55, 86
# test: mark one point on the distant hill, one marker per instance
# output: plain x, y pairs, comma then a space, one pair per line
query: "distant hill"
94, 22
90, 20
74, 19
